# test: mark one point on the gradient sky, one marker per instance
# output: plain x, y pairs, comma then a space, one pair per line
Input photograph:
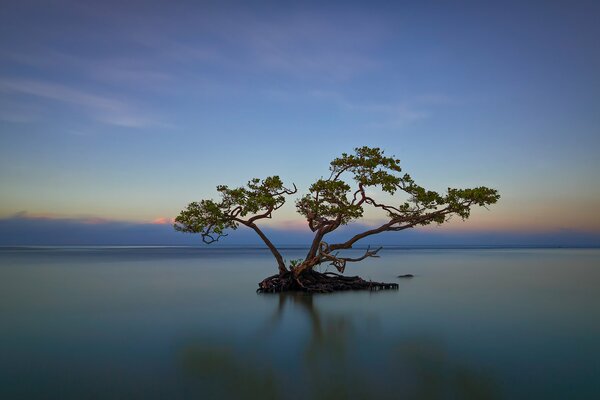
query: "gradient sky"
127, 111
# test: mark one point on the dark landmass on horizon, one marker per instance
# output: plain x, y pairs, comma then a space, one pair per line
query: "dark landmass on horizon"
20, 230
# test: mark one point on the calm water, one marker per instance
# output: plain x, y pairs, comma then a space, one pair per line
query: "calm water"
122, 323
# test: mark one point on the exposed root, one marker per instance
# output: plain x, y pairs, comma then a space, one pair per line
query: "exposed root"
317, 282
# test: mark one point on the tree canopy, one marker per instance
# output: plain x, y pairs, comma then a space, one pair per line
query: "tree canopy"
333, 202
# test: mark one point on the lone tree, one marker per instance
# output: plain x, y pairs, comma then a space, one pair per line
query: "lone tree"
331, 203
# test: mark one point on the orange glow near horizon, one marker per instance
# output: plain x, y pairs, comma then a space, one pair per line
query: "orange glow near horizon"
163, 221
504, 219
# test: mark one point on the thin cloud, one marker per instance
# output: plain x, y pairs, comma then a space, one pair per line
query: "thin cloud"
436, 99
127, 120
130, 71
101, 108
163, 221
307, 44
26, 215
18, 112
387, 115
302, 45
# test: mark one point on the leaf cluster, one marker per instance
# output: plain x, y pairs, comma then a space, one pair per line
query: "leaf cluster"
258, 195
335, 201
331, 202
427, 206
369, 167
328, 199
258, 199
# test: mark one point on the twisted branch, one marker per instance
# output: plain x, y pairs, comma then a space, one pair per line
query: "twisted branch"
210, 238
340, 262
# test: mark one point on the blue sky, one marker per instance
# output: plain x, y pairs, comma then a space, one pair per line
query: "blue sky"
127, 111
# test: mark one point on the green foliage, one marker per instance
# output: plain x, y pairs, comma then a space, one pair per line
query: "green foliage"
370, 167
206, 217
333, 202
210, 218
328, 199
259, 195
331, 199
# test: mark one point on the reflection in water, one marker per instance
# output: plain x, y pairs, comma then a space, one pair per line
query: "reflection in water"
222, 372
341, 356
170, 323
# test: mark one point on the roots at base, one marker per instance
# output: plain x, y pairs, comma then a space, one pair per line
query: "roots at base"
316, 282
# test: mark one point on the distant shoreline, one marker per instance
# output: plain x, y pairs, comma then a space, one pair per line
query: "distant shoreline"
292, 247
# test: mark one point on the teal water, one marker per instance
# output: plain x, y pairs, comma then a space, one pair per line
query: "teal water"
169, 323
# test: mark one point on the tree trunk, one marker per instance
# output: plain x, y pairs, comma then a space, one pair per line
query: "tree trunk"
306, 265
280, 263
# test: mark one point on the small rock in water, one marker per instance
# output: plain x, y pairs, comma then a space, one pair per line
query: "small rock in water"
406, 276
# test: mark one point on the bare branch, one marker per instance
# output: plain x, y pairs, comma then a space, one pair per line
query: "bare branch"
287, 191
389, 209
361, 191
208, 237
266, 214
340, 262
388, 226
336, 175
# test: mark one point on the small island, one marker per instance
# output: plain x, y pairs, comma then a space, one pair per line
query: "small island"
330, 204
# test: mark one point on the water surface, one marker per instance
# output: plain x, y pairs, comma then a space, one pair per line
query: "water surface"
186, 323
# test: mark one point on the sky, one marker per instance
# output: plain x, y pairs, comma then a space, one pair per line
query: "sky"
115, 115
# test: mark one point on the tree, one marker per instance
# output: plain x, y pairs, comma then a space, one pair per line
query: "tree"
329, 204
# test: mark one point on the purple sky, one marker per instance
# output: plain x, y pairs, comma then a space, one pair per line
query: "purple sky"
115, 115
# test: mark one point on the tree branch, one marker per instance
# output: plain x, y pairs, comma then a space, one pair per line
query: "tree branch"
340, 262
287, 191
280, 263
266, 214
389, 209
209, 238
389, 226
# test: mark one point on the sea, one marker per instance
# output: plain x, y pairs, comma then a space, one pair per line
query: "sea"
187, 323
